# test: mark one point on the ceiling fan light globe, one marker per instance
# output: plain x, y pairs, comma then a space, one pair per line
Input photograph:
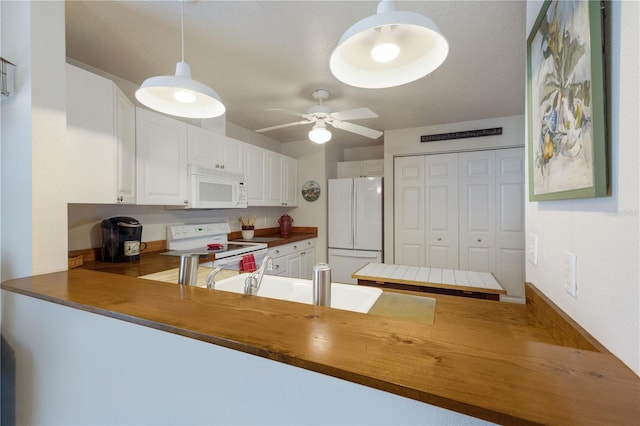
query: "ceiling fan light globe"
422, 50
319, 135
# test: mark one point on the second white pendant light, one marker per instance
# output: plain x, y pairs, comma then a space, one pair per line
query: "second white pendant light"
388, 49
179, 94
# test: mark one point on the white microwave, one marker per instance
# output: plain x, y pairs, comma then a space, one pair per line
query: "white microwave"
216, 189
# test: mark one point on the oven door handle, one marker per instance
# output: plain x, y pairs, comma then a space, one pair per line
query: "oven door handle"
236, 258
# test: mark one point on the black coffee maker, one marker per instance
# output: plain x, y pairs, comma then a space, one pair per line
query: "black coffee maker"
121, 239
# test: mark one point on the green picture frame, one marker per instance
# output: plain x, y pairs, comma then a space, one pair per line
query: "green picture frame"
567, 131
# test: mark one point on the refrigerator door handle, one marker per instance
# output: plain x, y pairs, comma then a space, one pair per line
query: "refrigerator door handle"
360, 255
354, 231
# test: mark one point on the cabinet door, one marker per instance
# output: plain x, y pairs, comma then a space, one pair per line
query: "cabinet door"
90, 137
255, 173
307, 264
477, 216
290, 182
161, 145
230, 153
441, 212
294, 265
510, 196
125, 130
201, 151
373, 167
350, 169
274, 178
409, 211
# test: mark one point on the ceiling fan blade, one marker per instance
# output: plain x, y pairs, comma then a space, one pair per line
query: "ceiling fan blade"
280, 126
286, 111
356, 128
354, 114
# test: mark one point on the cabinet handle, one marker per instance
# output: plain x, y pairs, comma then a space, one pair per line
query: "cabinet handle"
479, 240
277, 267
120, 198
295, 247
439, 239
277, 251
222, 166
186, 201
302, 253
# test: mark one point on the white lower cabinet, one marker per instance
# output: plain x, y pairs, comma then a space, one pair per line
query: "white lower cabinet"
294, 260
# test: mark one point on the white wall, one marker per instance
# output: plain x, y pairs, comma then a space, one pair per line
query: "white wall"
407, 142
603, 232
96, 370
364, 153
33, 149
311, 166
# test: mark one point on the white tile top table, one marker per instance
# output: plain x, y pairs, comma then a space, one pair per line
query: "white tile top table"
436, 280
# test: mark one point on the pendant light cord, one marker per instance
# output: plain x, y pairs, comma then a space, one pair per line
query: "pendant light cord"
182, 26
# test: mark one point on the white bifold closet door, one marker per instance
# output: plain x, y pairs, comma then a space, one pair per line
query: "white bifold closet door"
477, 216
462, 211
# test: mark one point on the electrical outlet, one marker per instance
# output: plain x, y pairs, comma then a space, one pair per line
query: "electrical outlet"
532, 248
570, 273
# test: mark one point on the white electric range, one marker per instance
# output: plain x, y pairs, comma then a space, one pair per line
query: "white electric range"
207, 238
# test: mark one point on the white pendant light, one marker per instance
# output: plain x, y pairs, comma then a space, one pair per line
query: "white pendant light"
178, 94
388, 49
319, 134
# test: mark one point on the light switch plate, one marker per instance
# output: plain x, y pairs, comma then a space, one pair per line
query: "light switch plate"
570, 273
532, 248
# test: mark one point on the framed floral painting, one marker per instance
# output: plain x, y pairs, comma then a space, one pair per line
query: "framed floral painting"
566, 102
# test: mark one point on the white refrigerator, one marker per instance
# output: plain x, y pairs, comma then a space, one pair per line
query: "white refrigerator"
355, 225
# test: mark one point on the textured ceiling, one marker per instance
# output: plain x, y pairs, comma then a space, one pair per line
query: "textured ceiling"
266, 54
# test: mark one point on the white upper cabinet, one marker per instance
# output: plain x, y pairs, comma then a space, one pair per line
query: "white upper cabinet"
255, 172
289, 181
272, 178
214, 151
100, 140
161, 144
366, 168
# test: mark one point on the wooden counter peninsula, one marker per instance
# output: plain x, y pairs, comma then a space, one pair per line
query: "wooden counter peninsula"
492, 361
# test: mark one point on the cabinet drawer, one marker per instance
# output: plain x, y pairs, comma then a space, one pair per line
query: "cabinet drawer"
287, 249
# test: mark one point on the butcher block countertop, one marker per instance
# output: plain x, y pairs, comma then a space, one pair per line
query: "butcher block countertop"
486, 359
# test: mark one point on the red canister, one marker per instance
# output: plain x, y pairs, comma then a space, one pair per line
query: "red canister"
285, 222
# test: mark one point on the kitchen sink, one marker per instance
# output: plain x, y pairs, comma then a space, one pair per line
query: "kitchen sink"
343, 296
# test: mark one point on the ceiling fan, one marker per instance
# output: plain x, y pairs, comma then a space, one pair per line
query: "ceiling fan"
322, 115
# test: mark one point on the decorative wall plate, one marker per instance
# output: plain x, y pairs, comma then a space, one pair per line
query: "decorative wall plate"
311, 190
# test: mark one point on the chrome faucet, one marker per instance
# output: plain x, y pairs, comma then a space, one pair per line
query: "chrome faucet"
253, 281
211, 278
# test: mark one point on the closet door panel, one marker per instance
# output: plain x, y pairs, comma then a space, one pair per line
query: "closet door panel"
477, 211
409, 211
510, 232
442, 211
